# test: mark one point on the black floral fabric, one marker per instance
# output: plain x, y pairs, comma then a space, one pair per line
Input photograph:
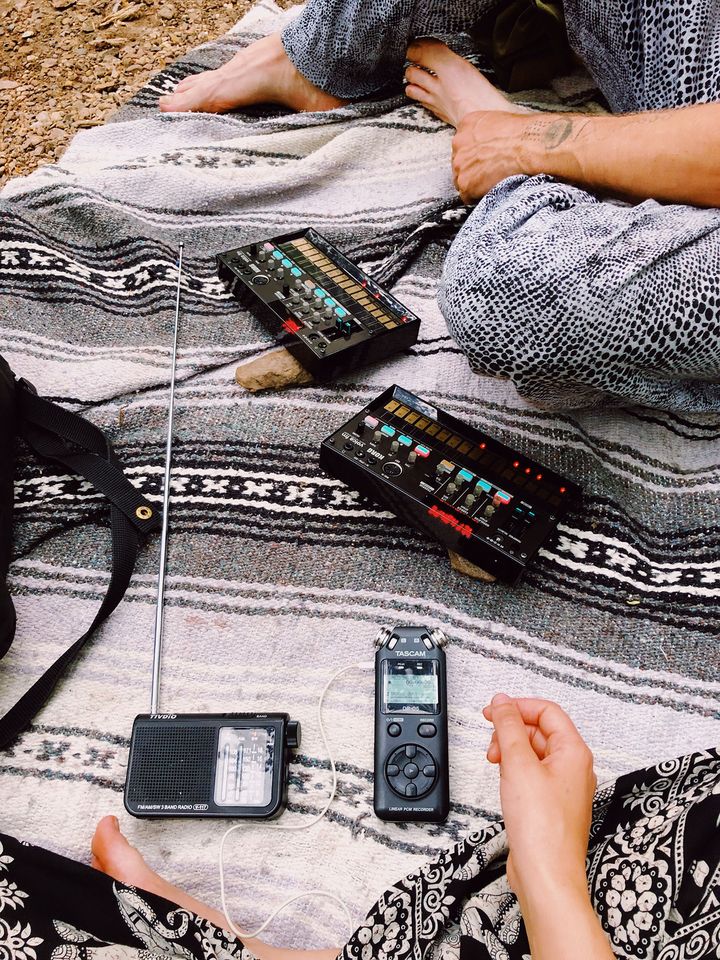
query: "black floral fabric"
653, 874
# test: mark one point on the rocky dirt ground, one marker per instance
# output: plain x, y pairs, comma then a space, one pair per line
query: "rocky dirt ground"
68, 64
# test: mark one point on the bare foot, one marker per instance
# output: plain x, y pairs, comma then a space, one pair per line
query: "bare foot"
112, 854
262, 73
449, 86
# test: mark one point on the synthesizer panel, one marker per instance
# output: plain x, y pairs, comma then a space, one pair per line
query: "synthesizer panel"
331, 316
488, 503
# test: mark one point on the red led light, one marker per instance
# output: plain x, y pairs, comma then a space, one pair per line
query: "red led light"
527, 470
482, 446
377, 296
516, 464
562, 489
539, 477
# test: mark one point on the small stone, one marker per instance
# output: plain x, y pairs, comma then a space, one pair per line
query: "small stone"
8, 84
468, 569
166, 11
275, 370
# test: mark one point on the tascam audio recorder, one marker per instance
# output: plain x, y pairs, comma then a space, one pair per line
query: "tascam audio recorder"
485, 501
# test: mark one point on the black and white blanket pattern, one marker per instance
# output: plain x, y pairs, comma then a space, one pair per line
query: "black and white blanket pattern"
278, 572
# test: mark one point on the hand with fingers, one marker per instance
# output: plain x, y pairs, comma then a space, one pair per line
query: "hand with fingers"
547, 785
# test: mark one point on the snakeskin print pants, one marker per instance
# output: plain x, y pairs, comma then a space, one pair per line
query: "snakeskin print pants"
577, 300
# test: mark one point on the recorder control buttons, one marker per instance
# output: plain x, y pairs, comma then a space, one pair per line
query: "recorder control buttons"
427, 730
411, 771
394, 730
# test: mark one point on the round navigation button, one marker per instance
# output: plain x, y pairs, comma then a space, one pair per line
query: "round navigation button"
410, 751
429, 771
392, 770
411, 770
391, 469
411, 790
260, 279
394, 730
427, 730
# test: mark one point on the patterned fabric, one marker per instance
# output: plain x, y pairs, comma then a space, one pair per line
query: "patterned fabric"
617, 619
577, 301
653, 874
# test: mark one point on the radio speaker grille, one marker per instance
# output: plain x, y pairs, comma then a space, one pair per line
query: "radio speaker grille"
172, 764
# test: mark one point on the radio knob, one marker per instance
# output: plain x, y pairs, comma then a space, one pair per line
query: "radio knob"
412, 457
451, 489
377, 436
293, 734
262, 255
394, 446
489, 510
469, 500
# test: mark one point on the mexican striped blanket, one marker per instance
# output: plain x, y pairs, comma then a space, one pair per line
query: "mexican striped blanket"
278, 573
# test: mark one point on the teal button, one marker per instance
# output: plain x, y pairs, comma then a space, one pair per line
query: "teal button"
484, 485
465, 475
329, 302
277, 255
296, 272
340, 312
286, 262
319, 292
388, 431
422, 451
405, 441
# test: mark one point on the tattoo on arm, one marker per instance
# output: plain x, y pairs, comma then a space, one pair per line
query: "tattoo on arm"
552, 134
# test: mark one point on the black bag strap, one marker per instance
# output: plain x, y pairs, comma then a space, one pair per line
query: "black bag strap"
57, 434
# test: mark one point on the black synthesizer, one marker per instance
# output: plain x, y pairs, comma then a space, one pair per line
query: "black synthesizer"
491, 505
331, 316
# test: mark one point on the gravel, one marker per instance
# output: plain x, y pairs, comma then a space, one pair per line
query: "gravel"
69, 64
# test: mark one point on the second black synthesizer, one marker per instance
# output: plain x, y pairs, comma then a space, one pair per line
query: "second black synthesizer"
478, 497
331, 315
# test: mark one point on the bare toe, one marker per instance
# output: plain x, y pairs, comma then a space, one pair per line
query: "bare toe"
112, 854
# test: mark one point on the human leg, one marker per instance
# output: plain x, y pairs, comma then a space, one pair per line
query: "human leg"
582, 302
648, 54
333, 51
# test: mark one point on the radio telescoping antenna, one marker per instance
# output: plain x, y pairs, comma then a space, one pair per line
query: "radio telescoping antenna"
160, 602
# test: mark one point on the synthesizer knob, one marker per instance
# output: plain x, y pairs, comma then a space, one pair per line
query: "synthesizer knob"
451, 489
328, 312
369, 422
489, 510
412, 457
253, 249
286, 289
394, 446
262, 255
469, 500
377, 436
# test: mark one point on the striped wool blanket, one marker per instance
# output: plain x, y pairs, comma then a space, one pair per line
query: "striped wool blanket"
277, 573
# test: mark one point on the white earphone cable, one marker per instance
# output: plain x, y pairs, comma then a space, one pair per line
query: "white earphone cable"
363, 665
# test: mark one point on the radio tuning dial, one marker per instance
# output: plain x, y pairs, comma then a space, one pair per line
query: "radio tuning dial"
293, 734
